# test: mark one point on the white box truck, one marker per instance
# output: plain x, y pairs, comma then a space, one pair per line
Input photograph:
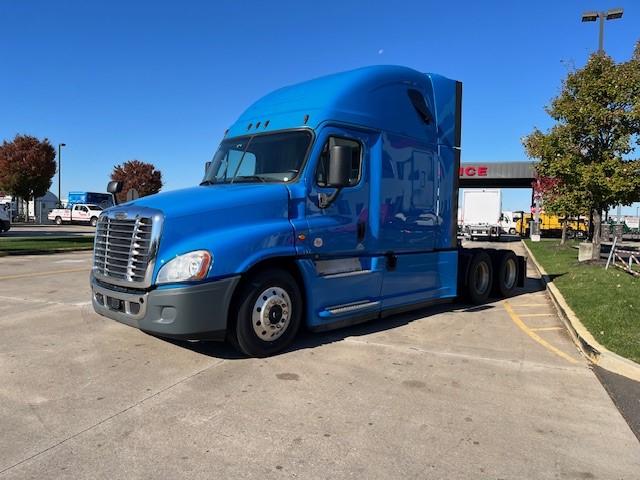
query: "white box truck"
481, 212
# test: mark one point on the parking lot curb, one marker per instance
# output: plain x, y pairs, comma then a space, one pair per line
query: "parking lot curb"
587, 344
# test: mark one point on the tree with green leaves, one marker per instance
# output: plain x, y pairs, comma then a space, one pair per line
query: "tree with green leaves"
143, 177
589, 150
555, 176
27, 166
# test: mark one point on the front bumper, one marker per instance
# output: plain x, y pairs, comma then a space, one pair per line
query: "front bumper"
5, 225
195, 312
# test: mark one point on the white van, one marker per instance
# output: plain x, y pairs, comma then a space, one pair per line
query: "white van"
5, 223
508, 223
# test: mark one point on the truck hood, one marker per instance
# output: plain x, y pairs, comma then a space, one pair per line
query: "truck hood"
199, 201
239, 224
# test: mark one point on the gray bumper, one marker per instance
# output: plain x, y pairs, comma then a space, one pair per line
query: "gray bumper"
197, 312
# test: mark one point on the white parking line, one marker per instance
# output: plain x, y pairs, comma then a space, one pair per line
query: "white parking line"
42, 274
42, 302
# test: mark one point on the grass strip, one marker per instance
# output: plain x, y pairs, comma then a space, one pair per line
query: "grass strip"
607, 302
36, 245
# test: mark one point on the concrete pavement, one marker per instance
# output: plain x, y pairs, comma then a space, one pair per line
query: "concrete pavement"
448, 392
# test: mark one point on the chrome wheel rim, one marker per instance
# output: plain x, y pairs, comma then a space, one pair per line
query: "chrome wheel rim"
482, 278
271, 314
510, 274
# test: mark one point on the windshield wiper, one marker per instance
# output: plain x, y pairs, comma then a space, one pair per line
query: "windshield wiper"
248, 178
208, 182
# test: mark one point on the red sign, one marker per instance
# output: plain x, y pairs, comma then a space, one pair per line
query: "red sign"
473, 171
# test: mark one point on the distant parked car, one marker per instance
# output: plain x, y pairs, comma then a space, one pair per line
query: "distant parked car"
5, 223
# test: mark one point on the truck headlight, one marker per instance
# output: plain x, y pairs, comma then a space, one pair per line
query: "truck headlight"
186, 268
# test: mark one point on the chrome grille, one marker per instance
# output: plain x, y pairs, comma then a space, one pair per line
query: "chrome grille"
125, 248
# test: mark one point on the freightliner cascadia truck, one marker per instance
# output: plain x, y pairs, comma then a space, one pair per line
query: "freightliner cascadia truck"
328, 203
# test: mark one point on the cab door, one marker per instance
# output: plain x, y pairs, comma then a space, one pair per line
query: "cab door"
342, 226
344, 280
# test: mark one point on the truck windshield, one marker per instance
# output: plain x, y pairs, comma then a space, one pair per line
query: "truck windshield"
266, 158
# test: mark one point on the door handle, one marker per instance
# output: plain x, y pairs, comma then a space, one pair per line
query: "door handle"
361, 229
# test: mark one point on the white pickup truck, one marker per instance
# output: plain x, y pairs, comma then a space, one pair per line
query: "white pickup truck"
77, 213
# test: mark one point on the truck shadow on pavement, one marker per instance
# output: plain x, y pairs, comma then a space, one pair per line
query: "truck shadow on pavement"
309, 340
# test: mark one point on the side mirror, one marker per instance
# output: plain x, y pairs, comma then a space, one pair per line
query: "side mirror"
339, 173
339, 166
114, 188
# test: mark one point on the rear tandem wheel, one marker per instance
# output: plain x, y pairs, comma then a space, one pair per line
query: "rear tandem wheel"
479, 278
506, 271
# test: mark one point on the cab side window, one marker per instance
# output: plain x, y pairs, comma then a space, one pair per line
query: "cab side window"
322, 170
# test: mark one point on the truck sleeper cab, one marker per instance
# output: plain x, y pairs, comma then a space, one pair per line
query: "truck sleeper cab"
328, 203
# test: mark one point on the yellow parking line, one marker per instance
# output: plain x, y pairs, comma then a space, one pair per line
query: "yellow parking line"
530, 304
546, 329
535, 337
42, 274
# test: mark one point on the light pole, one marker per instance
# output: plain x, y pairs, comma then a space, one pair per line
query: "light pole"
611, 14
60, 145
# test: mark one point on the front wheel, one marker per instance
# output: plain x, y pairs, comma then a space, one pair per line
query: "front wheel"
94, 221
267, 314
58, 221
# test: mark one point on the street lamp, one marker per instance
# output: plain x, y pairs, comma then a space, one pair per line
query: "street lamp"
611, 14
60, 171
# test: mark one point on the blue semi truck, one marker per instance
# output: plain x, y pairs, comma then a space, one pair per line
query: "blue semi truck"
328, 203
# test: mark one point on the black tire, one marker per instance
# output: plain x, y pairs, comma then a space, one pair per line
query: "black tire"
512, 231
267, 314
58, 221
479, 278
94, 221
505, 273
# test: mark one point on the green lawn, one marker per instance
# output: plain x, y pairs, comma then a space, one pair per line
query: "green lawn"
607, 302
35, 245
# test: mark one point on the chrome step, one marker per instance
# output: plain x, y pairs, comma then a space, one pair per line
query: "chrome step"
337, 310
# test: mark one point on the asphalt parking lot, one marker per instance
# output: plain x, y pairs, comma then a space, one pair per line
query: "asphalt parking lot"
497, 391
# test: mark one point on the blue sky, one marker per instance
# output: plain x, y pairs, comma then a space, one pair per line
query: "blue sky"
161, 81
